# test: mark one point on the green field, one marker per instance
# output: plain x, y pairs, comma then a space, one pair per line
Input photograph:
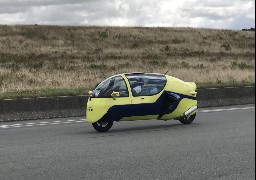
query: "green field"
65, 60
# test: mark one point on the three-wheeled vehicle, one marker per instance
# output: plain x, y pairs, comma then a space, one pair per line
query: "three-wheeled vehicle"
141, 96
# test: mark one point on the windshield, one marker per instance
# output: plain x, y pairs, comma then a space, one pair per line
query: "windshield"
110, 85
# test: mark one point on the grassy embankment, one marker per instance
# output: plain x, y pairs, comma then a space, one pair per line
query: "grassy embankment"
55, 60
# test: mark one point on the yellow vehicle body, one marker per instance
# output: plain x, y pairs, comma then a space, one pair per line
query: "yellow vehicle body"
182, 97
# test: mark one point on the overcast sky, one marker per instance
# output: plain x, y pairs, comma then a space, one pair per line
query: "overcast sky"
219, 14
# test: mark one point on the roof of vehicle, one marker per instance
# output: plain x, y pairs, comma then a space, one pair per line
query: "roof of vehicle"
138, 73
134, 73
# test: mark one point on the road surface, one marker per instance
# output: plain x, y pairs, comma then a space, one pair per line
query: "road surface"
220, 144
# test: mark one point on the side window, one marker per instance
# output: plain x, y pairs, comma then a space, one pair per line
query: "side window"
146, 85
106, 88
120, 86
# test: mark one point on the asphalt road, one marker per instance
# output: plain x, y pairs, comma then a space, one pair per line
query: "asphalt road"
220, 144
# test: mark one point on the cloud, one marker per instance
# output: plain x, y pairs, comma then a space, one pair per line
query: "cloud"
195, 13
221, 14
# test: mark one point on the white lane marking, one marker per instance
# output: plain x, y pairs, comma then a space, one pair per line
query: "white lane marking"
16, 126
229, 109
42, 123
29, 125
83, 119
4, 126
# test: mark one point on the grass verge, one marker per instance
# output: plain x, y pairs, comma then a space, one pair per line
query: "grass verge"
44, 93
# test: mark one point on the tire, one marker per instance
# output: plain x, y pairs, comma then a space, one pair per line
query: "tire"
189, 120
102, 126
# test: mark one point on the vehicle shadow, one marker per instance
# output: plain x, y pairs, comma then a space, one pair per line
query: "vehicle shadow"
151, 128
143, 128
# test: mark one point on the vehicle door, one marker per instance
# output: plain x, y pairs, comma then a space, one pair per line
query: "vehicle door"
109, 98
147, 94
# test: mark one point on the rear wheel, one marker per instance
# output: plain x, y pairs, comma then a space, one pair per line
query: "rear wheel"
101, 126
189, 120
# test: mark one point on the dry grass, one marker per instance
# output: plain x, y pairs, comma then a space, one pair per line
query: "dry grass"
36, 57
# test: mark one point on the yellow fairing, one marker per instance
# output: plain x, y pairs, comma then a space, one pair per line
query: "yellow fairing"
134, 118
183, 106
143, 100
181, 87
98, 107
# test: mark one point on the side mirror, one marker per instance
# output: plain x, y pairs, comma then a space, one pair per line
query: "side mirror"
115, 94
90, 93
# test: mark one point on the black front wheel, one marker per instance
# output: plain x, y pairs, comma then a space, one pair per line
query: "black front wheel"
101, 126
189, 120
